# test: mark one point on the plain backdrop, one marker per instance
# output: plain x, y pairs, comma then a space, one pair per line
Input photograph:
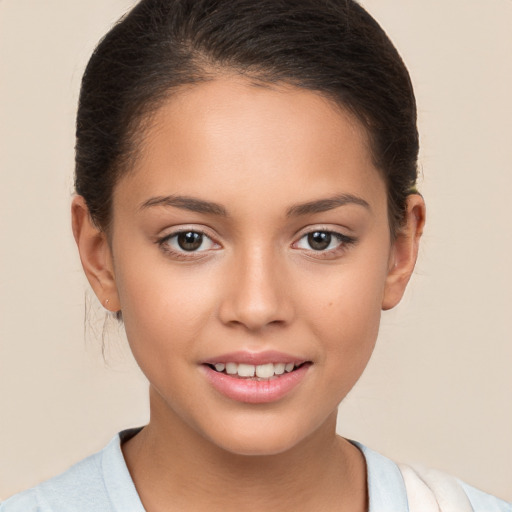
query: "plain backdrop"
438, 389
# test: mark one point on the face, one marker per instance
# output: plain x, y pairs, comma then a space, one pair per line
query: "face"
251, 238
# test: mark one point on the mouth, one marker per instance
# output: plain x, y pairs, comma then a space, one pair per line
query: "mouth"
256, 378
260, 372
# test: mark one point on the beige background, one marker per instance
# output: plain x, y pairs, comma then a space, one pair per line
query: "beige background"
438, 390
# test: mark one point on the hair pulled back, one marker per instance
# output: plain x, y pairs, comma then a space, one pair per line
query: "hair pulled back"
333, 47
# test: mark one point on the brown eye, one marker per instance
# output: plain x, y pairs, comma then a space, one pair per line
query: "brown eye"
187, 244
324, 243
319, 240
189, 240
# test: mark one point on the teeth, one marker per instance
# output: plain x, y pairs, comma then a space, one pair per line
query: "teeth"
265, 371
262, 371
231, 368
246, 370
279, 368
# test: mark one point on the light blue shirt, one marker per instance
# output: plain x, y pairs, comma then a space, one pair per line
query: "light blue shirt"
102, 483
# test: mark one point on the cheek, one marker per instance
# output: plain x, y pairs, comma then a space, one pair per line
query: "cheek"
345, 309
348, 295
165, 307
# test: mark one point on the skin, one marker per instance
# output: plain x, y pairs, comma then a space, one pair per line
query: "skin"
257, 152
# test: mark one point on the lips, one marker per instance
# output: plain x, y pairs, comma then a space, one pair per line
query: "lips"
261, 371
255, 377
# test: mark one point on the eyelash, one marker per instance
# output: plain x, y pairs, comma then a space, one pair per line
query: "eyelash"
164, 244
344, 242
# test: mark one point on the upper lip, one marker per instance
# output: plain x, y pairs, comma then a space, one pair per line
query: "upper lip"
255, 358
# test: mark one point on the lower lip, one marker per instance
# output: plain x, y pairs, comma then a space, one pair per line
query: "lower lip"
254, 391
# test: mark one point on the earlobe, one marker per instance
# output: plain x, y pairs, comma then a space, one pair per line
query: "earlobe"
404, 252
95, 254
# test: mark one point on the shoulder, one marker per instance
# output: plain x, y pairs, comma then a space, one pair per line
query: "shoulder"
100, 482
446, 492
75, 489
483, 502
403, 488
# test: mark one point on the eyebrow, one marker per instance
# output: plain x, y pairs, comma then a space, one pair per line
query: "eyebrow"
323, 205
186, 203
201, 206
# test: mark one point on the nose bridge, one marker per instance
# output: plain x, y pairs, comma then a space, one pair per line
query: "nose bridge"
255, 294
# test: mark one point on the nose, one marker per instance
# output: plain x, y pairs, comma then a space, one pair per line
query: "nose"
255, 293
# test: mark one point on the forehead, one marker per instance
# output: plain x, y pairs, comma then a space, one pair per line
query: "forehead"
231, 135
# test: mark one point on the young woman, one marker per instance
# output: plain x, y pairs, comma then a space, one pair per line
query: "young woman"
246, 205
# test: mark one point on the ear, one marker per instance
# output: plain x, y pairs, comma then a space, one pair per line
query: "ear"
404, 252
95, 254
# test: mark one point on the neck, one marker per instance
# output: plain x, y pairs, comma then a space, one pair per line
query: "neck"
171, 463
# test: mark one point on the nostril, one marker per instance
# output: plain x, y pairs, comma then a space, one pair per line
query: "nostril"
255, 296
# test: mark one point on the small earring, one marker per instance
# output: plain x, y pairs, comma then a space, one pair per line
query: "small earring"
106, 303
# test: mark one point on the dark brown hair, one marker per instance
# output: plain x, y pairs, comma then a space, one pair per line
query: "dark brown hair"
333, 47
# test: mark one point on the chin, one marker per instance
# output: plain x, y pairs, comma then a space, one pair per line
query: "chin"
262, 437
261, 446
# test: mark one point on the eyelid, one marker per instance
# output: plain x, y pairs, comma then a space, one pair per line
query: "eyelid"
345, 241
324, 228
170, 233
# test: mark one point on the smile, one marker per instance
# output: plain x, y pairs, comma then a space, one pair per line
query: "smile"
268, 371
256, 378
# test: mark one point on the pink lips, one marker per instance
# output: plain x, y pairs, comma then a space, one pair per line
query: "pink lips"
269, 356
251, 390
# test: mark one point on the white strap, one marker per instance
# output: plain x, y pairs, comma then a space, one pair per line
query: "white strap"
432, 491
